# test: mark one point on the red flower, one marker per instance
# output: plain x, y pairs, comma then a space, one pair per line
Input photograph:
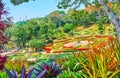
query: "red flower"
68, 47
82, 49
51, 44
48, 49
110, 38
103, 44
66, 42
99, 36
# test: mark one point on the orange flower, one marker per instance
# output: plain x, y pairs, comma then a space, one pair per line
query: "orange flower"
101, 45
68, 47
66, 42
51, 44
112, 65
98, 36
110, 38
81, 49
48, 49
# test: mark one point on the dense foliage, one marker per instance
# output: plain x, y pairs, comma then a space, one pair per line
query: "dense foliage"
55, 25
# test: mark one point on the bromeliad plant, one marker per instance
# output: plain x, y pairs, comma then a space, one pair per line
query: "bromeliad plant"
48, 70
14, 74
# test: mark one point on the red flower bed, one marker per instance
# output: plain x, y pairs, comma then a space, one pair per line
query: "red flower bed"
103, 44
110, 38
83, 49
51, 44
98, 36
68, 47
48, 49
65, 42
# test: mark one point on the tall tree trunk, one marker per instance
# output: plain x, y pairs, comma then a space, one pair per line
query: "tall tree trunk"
112, 16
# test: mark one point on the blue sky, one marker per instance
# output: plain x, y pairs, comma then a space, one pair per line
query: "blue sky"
32, 9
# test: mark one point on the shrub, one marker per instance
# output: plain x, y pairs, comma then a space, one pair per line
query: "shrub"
68, 27
35, 43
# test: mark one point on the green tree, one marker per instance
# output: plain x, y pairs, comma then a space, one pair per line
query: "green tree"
68, 27
100, 25
47, 29
17, 2
81, 17
22, 33
35, 43
32, 29
20, 36
20, 23
57, 17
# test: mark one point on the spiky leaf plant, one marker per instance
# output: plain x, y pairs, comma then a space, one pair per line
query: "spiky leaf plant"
48, 70
14, 74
